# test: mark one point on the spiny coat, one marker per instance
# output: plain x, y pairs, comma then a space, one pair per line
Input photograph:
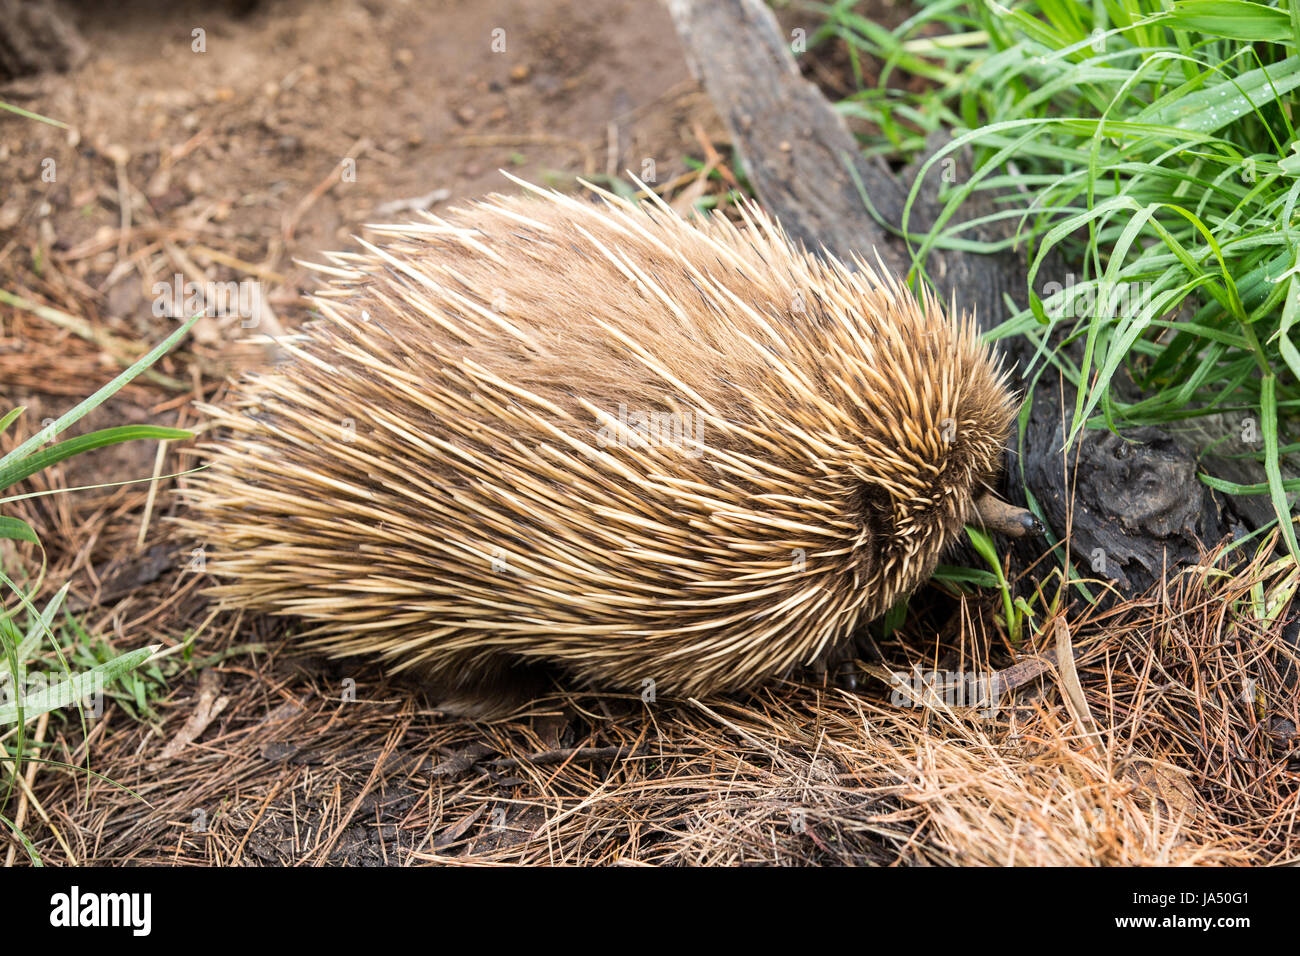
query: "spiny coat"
598, 437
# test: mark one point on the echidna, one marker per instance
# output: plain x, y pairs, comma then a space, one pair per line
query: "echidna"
598, 437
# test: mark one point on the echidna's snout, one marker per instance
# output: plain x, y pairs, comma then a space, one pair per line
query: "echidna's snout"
997, 515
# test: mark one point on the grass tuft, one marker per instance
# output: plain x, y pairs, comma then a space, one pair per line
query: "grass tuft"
1153, 146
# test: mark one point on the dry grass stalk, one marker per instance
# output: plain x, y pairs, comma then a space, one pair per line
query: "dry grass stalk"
1183, 769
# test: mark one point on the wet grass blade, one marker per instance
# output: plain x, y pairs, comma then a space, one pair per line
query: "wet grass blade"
94, 401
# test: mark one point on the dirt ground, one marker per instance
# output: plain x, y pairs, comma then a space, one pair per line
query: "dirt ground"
299, 123
225, 164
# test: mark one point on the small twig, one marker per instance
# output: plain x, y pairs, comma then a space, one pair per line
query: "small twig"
28, 796
415, 204
239, 852
712, 158
321, 188
152, 494
20, 817
1073, 689
240, 265
390, 745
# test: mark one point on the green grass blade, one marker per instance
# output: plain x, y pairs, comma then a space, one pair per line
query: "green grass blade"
40, 627
1233, 19
27, 114
9, 418
18, 470
80, 685
15, 529
1272, 463
1211, 109
94, 401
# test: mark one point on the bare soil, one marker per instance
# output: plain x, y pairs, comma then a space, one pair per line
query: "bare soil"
225, 165
220, 161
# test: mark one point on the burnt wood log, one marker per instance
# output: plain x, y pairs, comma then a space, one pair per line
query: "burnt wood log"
1138, 507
